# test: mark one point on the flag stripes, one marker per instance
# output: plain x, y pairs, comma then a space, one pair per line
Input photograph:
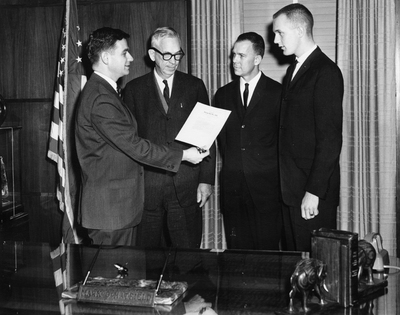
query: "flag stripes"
58, 258
70, 81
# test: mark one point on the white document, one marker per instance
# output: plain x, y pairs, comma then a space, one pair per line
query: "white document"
203, 126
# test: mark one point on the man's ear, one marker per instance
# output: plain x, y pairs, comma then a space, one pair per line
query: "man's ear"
152, 54
104, 57
257, 60
301, 31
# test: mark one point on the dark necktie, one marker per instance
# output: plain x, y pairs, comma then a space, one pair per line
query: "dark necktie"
291, 71
166, 91
119, 91
245, 95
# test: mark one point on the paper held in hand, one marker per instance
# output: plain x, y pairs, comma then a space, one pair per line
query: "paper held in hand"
203, 126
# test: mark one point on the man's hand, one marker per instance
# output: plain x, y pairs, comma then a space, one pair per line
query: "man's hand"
309, 206
194, 155
203, 192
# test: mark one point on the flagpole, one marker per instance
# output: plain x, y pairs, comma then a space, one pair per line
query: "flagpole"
67, 196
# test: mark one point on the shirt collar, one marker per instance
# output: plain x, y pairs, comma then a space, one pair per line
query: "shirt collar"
252, 83
160, 80
109, 80
304, 56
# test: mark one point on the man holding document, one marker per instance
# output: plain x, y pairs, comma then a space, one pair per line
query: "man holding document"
248, 145
111, 154
161, 101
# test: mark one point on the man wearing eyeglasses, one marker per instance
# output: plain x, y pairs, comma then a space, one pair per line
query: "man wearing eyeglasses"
161, 101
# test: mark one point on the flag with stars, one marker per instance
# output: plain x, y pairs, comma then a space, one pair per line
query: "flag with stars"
70, 81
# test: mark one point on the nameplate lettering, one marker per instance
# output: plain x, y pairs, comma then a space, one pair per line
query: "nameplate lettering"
116, 295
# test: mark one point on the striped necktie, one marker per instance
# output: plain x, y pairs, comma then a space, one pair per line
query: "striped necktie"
166, 91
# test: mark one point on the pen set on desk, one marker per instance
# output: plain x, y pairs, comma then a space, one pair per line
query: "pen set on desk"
163, 271
92, 264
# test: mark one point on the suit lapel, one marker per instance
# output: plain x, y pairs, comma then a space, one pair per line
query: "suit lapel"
257, 94
178, 91
306, 65
107, 85
104, 82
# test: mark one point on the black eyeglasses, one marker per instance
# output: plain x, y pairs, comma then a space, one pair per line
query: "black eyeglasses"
167, 56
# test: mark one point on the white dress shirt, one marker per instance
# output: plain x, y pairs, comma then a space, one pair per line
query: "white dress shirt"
301, 59
252, 85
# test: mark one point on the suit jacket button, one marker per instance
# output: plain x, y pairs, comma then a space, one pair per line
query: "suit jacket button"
243, 126
243, 149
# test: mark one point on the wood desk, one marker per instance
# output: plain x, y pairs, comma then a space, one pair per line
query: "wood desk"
235, 282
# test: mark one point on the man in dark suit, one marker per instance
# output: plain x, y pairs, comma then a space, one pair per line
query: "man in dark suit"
310, 138
248, 145
161, 101
109, 149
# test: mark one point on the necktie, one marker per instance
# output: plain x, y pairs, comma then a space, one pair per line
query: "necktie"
245, 95
166, 91
290, 72
119, 91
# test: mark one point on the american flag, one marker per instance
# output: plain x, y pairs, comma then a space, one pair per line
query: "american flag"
70, 81
59, 260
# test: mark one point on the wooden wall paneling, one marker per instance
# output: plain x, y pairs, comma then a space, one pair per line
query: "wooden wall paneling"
34, 117
38, 173
9, 30
28, 56
44, 46
44, 217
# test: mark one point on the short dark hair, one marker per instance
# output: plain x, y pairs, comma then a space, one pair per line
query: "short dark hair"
298, 14
103, 39
256, 40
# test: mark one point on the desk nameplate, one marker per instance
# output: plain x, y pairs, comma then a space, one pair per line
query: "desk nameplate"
116, 295
130, 292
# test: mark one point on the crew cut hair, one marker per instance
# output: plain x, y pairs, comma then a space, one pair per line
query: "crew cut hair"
298, 14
